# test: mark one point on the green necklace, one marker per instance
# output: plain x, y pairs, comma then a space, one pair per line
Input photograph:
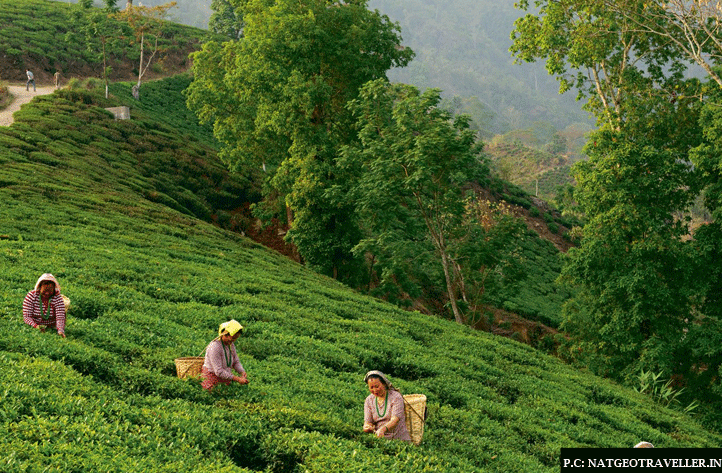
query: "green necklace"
228, 356
386, 404
43, 314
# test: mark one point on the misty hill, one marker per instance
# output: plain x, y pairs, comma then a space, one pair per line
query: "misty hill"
462, 47
116, 210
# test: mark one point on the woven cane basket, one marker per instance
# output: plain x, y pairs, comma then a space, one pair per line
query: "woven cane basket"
189, 366
415, 413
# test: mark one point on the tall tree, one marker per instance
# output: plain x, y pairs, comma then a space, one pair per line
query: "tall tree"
692, 27
277, 98
704, 355
634, 267
605, 56
414, 162
645, 287
147, 25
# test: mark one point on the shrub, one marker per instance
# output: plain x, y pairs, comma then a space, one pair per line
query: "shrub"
73, 84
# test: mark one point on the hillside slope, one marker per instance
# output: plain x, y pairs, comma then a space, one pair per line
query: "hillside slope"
462, 47
48, 24
111, 208
47, 36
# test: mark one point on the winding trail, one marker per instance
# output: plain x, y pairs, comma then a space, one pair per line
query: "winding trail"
21, 96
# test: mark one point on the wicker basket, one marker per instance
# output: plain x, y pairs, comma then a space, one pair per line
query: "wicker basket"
66, 301
415, 413
189, 366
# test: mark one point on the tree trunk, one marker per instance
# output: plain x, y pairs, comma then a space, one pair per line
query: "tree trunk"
140, 69
105, 68
450, 287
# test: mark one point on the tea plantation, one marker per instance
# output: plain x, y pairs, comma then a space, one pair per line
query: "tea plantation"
118, 211
47, 36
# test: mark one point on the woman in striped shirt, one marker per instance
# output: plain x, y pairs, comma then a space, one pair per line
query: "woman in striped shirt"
43, 307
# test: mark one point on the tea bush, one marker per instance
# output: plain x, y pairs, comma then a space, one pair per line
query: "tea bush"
149, 283
537, 296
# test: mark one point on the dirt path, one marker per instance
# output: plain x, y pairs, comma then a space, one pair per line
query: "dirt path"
21, 97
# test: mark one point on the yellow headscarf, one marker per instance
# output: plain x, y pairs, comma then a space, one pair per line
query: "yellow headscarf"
232, 327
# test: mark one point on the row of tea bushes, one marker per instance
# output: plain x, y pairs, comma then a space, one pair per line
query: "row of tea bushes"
49, 34
54, 419
149, 284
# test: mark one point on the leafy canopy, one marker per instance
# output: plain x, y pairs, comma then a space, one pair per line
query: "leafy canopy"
277, 99
645, 274
415, 165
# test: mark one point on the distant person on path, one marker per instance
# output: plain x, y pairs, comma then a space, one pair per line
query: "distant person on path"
44, 306
384, 408
57, 79
31, 78
221, 358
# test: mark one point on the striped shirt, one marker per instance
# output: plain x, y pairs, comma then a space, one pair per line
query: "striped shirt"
33, 310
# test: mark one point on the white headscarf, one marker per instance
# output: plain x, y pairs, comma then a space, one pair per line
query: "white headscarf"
380, 375
51, 278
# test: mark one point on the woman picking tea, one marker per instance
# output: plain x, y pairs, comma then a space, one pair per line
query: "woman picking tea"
221, 358
43, 307
384, 408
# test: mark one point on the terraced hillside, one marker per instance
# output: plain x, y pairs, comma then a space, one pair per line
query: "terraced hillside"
120, 211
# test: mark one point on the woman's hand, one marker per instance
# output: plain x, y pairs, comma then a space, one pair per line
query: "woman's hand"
379, 432
241, 379
368, 427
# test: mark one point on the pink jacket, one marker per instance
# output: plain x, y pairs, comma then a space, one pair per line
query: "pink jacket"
219, 357
395, 407
33, 308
